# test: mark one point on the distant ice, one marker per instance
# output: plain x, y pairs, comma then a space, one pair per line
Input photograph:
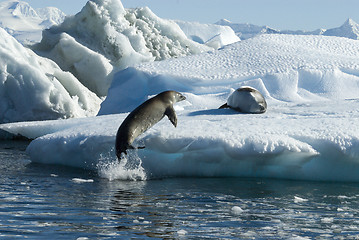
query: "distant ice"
349, 29
212, 35
24, 23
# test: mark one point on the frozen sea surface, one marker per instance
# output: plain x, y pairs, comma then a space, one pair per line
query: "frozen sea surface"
48, 201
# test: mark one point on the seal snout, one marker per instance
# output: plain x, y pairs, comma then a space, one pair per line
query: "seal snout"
182, 98
179, 97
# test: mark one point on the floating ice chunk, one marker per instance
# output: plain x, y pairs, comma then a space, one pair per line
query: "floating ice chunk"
237, 210
299, 199
80, 180
327, 220
182, 232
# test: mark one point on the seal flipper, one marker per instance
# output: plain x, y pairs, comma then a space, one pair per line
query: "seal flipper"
129, 146
224, 106
171, 114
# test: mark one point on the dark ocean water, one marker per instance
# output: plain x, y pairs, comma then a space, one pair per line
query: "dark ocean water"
52, 202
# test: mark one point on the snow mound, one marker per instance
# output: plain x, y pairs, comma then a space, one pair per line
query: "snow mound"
23, 22
210, 34
282, 67
35, 88
125, 37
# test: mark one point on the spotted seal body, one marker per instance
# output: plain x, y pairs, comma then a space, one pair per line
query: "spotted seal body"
144, 117
246, 100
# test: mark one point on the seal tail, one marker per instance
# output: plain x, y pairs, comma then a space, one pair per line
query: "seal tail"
132, 147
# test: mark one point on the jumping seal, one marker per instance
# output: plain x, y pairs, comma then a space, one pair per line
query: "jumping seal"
144, 117
247, 100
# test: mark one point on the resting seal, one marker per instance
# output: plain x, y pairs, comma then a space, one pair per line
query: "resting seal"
246, 100
144, 117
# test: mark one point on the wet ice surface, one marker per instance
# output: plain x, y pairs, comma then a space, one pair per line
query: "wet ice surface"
38, 201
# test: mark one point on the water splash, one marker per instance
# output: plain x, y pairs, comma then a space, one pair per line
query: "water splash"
129, 168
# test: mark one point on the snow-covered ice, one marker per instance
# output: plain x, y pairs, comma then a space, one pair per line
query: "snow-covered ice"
311, 85
308, 132
286, 68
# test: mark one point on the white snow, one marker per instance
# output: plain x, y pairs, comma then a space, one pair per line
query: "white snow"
308, 132
35, 88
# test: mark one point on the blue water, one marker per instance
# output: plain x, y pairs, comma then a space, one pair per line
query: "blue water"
44, 202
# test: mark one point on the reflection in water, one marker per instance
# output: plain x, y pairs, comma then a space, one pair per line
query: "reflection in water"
202, 208
142, 214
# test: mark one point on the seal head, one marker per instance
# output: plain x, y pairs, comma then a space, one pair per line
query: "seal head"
144, 117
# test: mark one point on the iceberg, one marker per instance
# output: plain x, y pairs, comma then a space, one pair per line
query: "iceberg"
35, 88
105, 32
308, 132
247, 30
24, 23
350, 29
